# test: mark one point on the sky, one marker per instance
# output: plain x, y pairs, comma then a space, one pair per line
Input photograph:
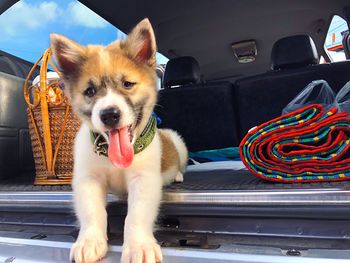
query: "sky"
26, 27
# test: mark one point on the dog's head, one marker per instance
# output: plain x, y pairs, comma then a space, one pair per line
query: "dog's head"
113, 89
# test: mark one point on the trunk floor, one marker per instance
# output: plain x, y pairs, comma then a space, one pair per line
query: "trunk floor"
215, 180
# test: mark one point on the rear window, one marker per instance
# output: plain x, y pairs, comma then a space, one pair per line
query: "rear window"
26, 26
334, 40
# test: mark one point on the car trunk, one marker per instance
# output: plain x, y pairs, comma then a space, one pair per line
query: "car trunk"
215, 210
218, 189
210, 191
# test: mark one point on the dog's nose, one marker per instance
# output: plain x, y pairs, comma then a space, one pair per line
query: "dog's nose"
110, 117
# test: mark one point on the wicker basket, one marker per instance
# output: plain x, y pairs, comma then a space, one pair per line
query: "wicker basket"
52, 127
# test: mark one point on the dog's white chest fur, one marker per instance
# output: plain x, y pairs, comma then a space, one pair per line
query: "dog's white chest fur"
95, 176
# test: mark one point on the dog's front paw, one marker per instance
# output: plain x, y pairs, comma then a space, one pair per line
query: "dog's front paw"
90, 247
179, 178
146, 251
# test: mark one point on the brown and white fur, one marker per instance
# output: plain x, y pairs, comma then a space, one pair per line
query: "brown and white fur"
109, 71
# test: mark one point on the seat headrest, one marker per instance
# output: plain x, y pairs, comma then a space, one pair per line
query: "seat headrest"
181, 71
294, 52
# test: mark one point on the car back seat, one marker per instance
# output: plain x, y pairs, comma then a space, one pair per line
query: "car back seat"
294, 62
16, 66
203, 113
340, 73
15, 150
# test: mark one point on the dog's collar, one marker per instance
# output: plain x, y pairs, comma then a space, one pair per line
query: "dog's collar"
141, 143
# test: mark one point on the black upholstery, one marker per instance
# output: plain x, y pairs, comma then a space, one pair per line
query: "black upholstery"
340, 74
180, 71
263, 97
213, 115
16, 156
202, 113
294, 52
16, 66
346, 44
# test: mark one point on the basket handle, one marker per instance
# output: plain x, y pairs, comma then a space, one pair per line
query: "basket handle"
47, 151
45, 109
26, 87
46, 144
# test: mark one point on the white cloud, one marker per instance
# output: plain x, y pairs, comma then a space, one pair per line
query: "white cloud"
80, 15
24, 16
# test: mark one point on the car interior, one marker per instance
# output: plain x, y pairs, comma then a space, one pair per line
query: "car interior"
209, 97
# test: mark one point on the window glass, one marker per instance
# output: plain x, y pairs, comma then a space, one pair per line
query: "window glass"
26, 26
334, 44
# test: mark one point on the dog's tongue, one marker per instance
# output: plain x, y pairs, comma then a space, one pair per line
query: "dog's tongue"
120, 150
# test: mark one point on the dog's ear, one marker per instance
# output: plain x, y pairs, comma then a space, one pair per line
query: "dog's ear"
141, 43
68, 54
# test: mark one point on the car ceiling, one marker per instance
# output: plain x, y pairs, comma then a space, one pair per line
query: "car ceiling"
206, 29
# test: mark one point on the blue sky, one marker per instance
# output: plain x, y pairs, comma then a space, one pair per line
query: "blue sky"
26, 27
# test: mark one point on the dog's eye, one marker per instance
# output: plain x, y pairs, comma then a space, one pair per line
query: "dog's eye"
90, 92
128, 84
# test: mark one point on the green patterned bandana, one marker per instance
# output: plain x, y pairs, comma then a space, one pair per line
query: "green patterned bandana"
141, 143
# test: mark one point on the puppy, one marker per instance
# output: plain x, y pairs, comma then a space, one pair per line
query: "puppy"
113, 90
